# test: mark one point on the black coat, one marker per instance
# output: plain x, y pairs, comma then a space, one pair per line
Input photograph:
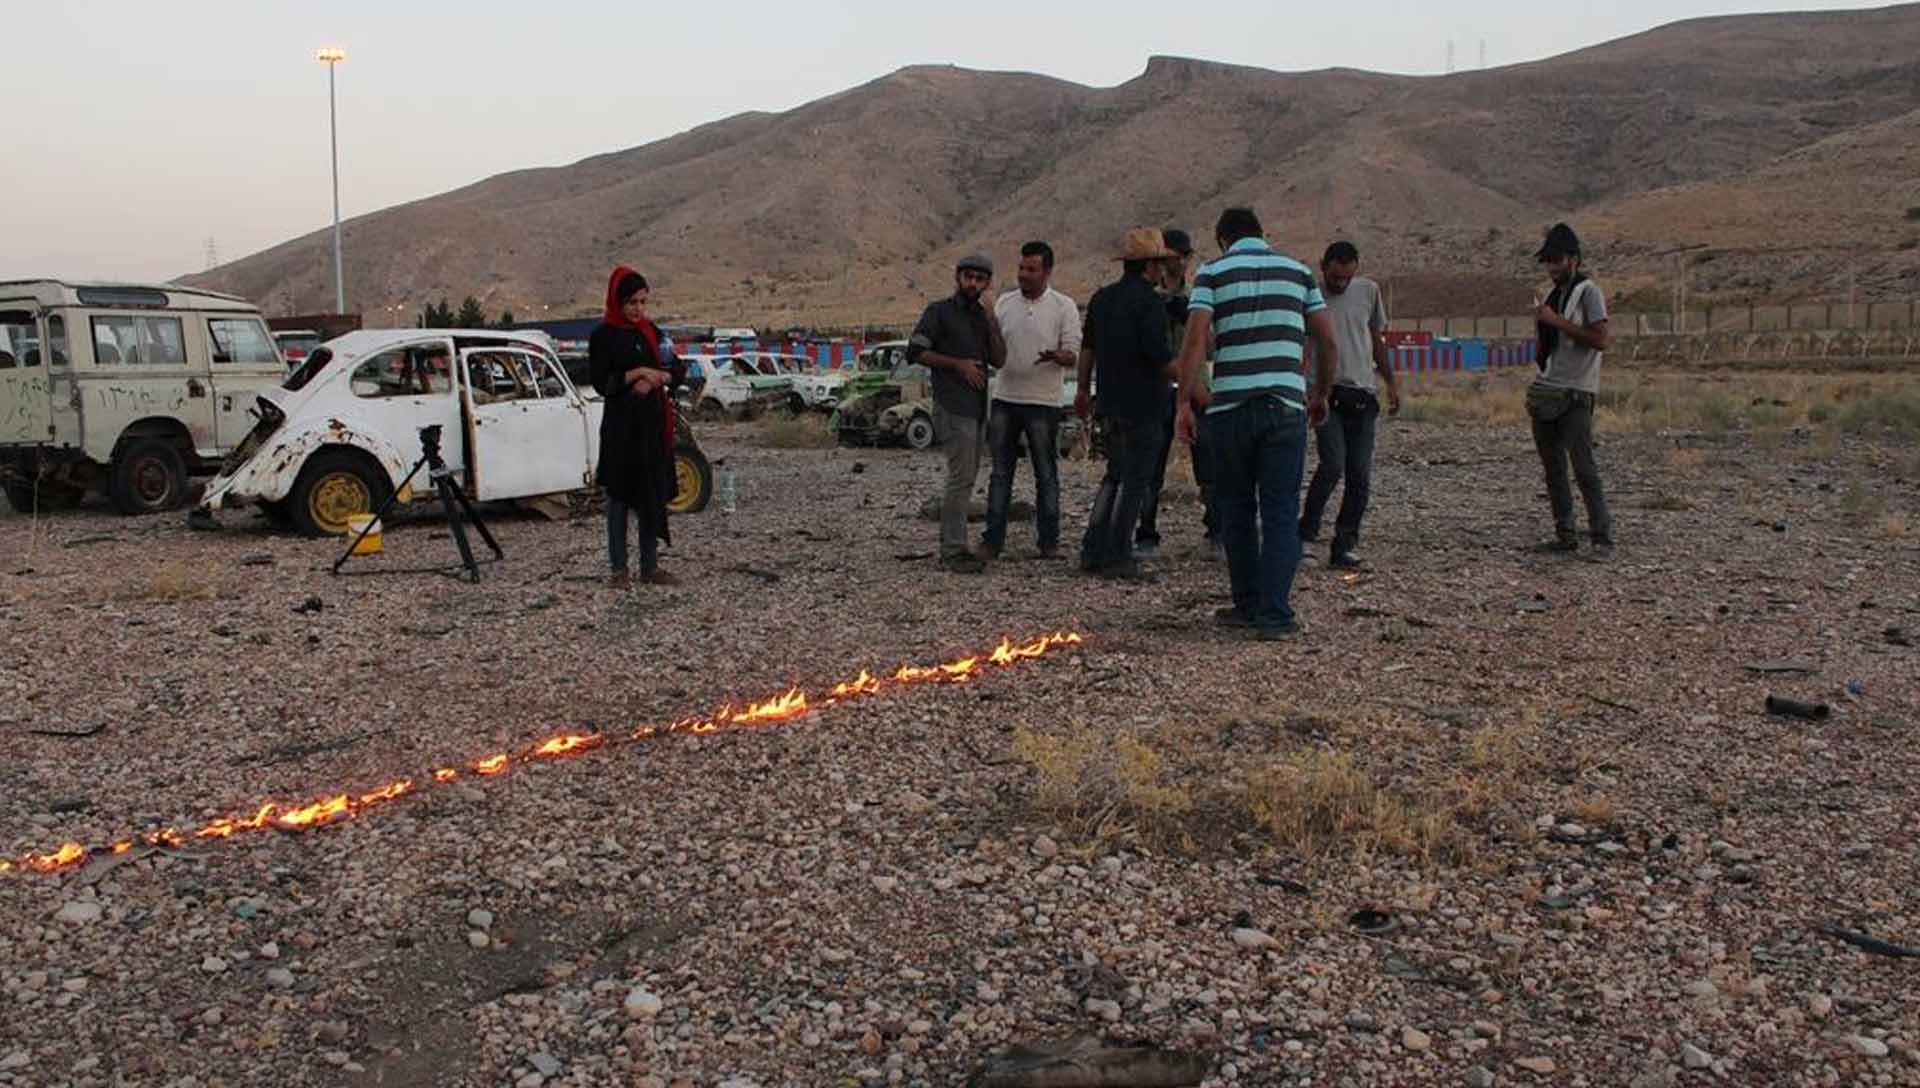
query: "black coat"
636, 463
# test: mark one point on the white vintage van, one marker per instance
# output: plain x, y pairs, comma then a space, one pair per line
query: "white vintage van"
127, 388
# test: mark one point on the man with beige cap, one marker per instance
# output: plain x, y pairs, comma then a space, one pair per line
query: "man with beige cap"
1125, 358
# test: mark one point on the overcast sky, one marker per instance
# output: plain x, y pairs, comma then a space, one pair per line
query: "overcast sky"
133, 132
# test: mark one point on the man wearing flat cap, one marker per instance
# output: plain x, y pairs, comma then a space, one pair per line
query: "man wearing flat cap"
958, 339
1126, 357
1572, 330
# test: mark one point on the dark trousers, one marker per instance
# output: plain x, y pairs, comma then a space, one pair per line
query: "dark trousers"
618, 515
1149, 531
1039, 424
1570, 439
1345, 446
1132, 447
1203, 479
1259, 456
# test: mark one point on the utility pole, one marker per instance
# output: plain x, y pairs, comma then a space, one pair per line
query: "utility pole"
1449, 56
1483, 52
332, 57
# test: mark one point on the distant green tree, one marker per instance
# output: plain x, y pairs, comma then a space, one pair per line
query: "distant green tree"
506, 318
435, 316
471, 316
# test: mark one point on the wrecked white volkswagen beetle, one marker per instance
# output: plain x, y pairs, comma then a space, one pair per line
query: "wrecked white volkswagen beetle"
344, 430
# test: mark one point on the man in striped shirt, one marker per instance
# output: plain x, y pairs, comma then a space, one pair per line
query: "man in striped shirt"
1259, 307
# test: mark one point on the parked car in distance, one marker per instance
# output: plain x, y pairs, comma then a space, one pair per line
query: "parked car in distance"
127, 388
343, 431
813, 389
294, 344
721, 387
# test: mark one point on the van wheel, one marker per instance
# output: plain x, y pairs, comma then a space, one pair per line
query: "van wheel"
334, 486
920, 433
148, 476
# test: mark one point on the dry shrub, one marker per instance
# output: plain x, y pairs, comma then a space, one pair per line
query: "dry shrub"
1592, 810
1314, 800
781, 431
178, 582
1666, 500
1104, 785
1687, 458
1895, 526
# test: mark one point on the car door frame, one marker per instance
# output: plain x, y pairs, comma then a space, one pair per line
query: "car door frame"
508, 423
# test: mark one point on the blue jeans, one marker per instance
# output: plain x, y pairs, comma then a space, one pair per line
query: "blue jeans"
1259, 456
1041, 425
618, 514
1133, 445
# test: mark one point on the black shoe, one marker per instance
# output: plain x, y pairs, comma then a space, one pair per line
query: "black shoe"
1309, 535
1146, 549
1278, 634
1050, 551
964, 563
1127, 571
1231, 616
1345, 561
1560, 545
1600, 552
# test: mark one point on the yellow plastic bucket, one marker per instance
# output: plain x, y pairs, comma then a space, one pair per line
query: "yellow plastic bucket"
369, 544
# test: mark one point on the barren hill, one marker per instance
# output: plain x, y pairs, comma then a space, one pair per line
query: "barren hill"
1781, 131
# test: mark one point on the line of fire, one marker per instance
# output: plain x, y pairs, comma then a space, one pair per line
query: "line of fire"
336, 807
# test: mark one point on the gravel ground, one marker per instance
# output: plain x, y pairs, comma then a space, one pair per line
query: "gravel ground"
868, 894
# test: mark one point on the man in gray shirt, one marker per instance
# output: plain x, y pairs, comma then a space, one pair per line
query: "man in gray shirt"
1344, 443
1572, 328
958, 339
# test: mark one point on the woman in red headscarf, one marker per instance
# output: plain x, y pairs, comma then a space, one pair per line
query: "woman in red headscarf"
636, 430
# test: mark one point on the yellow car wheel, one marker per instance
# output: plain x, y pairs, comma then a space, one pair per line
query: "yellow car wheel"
335, 485
693, 480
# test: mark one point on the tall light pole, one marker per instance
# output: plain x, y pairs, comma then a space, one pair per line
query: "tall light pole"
330, 57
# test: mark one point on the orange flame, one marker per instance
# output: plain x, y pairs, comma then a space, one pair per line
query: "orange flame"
792, 704
568, 743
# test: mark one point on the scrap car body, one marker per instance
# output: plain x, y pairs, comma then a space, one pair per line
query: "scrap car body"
344, 430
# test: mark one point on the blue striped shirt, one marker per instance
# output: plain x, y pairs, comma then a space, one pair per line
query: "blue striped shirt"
1259, 300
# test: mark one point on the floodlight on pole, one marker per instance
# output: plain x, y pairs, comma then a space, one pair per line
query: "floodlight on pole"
332, 56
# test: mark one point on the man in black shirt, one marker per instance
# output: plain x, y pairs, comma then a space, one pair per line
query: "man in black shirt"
957, 339
1125, 347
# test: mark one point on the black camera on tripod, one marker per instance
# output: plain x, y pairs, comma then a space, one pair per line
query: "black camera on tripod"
430, 451
453, 503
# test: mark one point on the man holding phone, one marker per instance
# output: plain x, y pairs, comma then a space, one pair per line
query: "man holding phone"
1041, 328
958, 339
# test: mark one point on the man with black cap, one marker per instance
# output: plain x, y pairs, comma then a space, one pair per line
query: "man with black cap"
1173, 294
958, 339
1572, 329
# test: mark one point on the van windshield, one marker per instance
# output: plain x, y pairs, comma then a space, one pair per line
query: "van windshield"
308, 370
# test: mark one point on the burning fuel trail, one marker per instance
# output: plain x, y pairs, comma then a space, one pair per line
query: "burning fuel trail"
336, 806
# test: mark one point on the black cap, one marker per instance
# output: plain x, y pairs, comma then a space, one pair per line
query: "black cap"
975, 262
1176, 239
1561, 242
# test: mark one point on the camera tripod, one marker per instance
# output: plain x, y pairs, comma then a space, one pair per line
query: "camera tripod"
453, 502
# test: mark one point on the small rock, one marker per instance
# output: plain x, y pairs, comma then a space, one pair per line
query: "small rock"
330, 1031
19, 1059
79, 912
885, 885
1694, 1058
531, 1080
642, 1005
1360, 1021
478, 939
335, 1057
270, 951
1044, 847
1867, 1047
986, 994
1820, 1006
213, 965
870, 1043
547, 1064
480, 919
1415, 1039
280, 978
1540, 1065
1254, 939
1480, 1077
1104, 1009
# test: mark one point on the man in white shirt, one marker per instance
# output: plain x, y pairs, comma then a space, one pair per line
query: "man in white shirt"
1042, 331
